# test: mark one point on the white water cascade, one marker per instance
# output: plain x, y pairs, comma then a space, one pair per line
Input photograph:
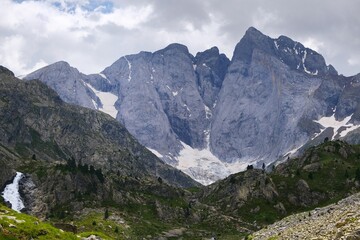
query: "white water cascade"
11, 193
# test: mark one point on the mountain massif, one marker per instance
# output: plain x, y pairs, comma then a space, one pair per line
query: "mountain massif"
84, 173
210, 116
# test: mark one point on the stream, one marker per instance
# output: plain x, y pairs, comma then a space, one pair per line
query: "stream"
11, 193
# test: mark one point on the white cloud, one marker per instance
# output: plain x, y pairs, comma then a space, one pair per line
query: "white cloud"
13, 57
313, 44
35, 32
91, 34
354, 61
262, 18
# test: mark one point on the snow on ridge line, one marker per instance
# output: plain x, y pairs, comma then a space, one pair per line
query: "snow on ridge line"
156, 153
331, 122
305, 69
104, 76
11, 193
276, 44
108, 101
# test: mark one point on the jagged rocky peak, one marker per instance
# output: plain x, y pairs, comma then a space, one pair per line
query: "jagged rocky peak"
253, 39
288, 51
296, 56
175, 48
68, 82
60, 64
215, 60
211, 67
62, 69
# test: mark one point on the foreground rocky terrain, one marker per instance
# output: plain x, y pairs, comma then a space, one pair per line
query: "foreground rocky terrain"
340, 220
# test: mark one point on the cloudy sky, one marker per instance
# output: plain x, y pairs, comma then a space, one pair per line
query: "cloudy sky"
92, 34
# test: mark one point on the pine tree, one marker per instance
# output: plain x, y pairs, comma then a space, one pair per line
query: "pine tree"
357, 174
106, 214
310, 176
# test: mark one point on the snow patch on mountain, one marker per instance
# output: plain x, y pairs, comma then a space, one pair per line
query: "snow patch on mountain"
204, 167
156, 153
108, 101
208, 112
103, 76
305, 69
340, 127
276, 44
129, 65
11, 193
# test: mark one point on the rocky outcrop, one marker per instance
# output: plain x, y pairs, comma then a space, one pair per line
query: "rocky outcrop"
6, 174
210, 68
4, 70
33, 197
336, 221
69, 84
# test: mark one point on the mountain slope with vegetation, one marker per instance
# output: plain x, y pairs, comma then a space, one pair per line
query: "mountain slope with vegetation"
323, 175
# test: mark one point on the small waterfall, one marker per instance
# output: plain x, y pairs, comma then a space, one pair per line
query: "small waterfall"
11, 193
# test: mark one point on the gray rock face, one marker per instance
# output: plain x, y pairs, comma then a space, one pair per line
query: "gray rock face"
158, 98
349, 100
204, 113
68, 84
260, 105
211, 69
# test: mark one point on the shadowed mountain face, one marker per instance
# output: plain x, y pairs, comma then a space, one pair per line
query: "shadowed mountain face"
210, 116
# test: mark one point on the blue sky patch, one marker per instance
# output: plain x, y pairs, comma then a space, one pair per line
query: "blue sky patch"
103, 6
